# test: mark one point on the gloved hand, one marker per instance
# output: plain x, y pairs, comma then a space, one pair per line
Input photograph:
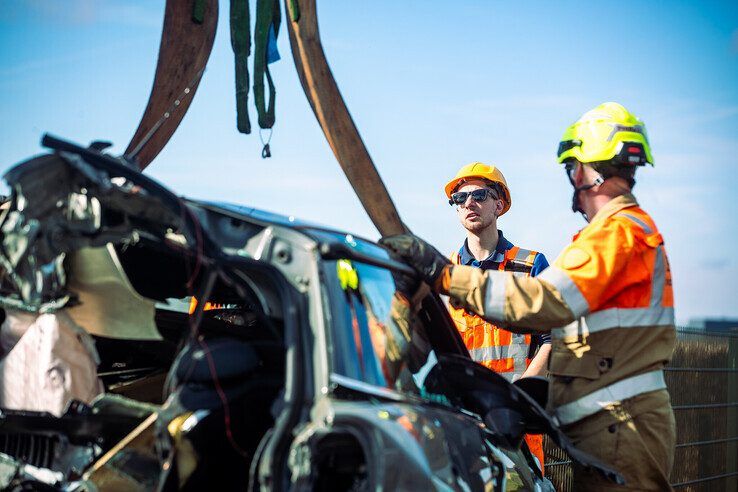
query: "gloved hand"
406, 285
423, 257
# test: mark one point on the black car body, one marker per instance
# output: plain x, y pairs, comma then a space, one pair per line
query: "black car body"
305, 370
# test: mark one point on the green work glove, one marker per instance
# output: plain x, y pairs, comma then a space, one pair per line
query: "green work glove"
423, 257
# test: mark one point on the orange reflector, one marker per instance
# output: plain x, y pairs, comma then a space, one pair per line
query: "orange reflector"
208, 305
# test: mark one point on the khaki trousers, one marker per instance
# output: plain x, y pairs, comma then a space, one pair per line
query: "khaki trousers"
637, 438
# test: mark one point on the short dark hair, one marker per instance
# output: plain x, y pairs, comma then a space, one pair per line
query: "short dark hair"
497, 189
611, 169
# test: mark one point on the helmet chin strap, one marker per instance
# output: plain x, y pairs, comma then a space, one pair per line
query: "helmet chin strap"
575, 203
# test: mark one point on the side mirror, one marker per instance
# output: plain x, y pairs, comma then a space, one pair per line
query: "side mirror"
507, 409
507, 423
536, 387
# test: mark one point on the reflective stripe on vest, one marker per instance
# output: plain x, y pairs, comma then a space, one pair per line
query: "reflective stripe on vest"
617, 318
609, 396
498, 349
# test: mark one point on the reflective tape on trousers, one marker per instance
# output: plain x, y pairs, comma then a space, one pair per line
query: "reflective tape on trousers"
617, 318
567, 288
610, 395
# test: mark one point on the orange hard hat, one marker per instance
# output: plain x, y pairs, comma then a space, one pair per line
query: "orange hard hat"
480, 171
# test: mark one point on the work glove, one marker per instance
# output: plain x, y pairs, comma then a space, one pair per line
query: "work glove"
423, 257
406, 285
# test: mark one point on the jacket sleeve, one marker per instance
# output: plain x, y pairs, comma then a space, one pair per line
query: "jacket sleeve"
576, 283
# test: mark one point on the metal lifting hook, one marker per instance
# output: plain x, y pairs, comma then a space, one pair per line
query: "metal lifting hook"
265, 151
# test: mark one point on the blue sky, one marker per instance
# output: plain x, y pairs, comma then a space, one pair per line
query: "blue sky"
432, 86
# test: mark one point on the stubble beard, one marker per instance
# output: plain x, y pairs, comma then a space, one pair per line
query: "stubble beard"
478, 226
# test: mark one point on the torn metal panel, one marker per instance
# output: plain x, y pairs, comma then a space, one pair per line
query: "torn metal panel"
108, 306
61, 203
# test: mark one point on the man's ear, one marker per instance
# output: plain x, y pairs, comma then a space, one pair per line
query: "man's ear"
586, 175
579, 175
499, 207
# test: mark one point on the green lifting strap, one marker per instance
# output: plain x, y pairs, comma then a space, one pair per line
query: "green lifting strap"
267, 16
294, 8
198, 11
241, 43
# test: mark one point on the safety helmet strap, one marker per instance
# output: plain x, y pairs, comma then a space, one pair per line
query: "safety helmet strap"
576, 205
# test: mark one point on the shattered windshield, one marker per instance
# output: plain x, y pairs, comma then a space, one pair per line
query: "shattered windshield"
377, 337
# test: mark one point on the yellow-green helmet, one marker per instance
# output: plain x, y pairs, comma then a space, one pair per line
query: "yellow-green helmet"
608, 133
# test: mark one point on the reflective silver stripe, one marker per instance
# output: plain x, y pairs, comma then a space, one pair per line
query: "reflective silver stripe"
623, 128
620, 318
517, 350
522, 255
571, 330
659, 278
490, 353
617, 318
610, 395
638, 221
629, 318
568, 289
494, 304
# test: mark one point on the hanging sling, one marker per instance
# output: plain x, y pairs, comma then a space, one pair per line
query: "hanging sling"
241, 43
267, 18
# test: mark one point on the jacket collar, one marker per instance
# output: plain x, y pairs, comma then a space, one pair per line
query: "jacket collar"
614, 206
466, 258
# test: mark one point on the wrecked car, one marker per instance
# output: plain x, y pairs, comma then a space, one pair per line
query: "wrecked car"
152, 342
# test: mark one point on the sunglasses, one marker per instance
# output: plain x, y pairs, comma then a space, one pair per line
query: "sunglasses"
480, 195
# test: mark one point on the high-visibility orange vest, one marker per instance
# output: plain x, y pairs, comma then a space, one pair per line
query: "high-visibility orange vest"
502, 351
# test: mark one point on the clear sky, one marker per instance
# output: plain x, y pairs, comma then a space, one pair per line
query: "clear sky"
432, 86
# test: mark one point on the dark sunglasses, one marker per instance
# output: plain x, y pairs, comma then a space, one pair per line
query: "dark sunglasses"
480, 195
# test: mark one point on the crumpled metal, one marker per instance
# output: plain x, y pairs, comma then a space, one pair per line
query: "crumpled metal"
59, 204
49, 361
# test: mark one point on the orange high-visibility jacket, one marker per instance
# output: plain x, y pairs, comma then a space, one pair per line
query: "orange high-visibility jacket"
502, 351
611, 291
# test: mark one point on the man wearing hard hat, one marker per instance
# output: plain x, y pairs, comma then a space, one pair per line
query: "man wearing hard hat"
607, 301
481, 195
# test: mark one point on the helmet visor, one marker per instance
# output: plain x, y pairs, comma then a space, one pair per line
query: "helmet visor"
565, 145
